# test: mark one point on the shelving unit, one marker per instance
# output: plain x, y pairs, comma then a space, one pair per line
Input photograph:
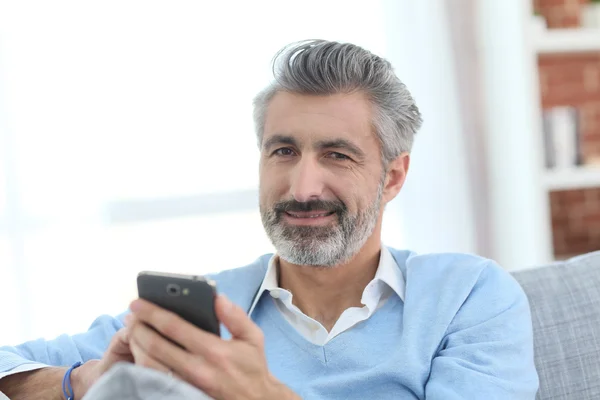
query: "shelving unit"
561, 41
568, 42
572, 178
577, 40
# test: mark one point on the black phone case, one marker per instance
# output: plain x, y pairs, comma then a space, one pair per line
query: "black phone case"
197, 306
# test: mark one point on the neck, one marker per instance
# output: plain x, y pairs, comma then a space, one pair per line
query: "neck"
323, 293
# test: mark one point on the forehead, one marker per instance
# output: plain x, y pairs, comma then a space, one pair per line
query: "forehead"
310, 117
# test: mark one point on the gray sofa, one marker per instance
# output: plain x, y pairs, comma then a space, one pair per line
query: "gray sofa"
565, 306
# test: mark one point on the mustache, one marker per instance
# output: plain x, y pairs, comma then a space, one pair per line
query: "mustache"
312, 205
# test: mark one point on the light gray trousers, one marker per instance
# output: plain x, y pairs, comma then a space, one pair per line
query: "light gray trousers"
126, 381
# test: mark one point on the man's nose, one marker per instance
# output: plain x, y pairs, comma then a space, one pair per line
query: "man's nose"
307, 181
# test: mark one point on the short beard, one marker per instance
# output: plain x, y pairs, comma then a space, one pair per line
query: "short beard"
324, 246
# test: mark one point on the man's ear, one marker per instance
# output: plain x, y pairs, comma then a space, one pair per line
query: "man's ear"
395, 176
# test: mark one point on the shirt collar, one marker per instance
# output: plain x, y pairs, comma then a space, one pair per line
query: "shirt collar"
388, 272
269, 283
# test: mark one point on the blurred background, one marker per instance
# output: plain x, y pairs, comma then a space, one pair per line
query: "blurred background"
127, 144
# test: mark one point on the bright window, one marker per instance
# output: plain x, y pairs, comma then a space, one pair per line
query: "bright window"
136, 106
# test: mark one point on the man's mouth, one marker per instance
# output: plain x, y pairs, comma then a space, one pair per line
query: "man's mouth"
309, 214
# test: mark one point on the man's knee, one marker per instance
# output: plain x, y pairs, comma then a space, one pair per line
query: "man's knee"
130, 382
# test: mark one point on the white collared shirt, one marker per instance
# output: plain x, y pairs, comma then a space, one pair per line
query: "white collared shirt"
388, 281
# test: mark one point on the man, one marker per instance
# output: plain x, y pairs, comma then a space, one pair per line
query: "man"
334, 314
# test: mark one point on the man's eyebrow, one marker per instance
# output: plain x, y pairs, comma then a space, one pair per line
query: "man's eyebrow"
279, 139
341, 144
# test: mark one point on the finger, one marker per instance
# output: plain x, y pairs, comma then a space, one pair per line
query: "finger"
161, 349
119, 343
118, 349
152, 350
237, 321
143, 359
174, 327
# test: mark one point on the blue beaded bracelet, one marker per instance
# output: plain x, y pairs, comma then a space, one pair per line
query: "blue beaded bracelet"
66, 384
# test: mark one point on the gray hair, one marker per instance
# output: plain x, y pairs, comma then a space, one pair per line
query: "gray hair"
320, 67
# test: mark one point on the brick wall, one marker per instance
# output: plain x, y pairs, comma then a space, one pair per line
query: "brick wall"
574, 80
575, 221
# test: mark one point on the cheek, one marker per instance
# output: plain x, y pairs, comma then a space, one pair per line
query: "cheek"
346, 192
357, 195
272, 187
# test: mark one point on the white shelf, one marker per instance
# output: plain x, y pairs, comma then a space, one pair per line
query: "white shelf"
573, 178
566, 40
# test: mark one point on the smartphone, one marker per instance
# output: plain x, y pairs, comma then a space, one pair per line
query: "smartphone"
192, 297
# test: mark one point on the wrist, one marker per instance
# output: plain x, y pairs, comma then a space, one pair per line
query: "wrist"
82, 378
75, 382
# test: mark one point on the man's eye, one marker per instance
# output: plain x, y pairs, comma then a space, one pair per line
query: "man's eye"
284, 151
338, 156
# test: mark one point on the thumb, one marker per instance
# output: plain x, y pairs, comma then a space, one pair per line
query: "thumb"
237, 321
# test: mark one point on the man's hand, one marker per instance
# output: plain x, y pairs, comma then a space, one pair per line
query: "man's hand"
223, 369
45, 383
84, 377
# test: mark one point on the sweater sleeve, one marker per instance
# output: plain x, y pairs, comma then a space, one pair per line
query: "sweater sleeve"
487, 351
65, 350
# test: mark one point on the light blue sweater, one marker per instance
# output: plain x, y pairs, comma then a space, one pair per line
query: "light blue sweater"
463, 332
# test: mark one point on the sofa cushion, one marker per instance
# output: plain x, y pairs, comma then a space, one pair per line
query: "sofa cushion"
565, 306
